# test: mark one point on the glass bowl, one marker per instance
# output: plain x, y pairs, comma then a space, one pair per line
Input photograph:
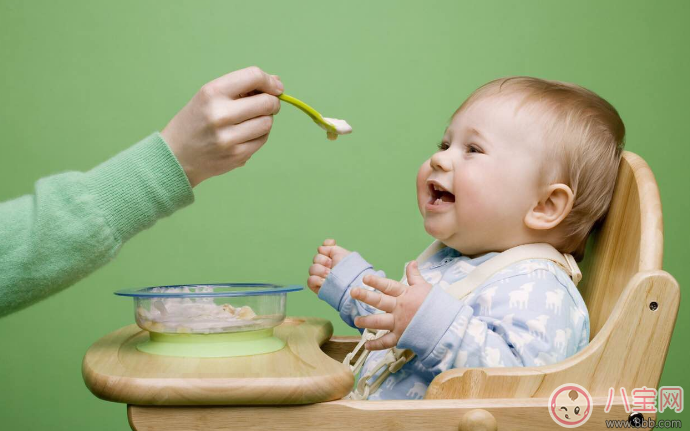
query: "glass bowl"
209, 308
210, 320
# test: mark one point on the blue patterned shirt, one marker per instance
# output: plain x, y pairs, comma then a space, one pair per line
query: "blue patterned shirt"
528, 314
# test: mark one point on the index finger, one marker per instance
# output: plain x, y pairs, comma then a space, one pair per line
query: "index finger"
239, 82
377, 300
384, 285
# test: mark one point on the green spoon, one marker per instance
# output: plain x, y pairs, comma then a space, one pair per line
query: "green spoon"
331, 130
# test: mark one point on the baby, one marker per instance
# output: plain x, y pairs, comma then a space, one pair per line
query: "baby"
523, 161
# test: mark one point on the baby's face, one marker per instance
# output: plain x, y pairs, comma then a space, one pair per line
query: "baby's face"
488, 167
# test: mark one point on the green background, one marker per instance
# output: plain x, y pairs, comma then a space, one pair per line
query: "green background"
81, 81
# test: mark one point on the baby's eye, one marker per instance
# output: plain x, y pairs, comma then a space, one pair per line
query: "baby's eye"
471, 148
442, 146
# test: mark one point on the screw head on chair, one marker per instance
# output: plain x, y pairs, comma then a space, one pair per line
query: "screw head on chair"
636, 419
478, 420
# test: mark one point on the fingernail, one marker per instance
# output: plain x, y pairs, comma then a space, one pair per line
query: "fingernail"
328, 271
280, 85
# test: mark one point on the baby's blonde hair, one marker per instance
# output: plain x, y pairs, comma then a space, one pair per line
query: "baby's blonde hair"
585, 137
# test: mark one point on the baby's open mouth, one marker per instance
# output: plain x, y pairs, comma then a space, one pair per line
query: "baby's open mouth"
439, 195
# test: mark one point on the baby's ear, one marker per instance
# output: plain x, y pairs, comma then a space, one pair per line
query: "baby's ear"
554, 205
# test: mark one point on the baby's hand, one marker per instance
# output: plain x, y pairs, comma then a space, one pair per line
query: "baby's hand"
326, 259
400, 303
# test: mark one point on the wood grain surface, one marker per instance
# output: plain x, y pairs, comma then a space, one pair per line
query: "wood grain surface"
399, 415
300, 373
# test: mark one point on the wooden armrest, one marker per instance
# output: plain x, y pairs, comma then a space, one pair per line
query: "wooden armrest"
339, 346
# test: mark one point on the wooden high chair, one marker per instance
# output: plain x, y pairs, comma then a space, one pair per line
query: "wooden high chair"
632, 306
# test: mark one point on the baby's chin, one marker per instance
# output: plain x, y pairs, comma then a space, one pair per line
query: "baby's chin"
452, 239
436, 231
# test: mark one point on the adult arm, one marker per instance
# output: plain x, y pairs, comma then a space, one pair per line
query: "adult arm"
75, 222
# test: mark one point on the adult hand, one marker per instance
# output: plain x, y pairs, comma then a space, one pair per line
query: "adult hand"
400, 303
226, 122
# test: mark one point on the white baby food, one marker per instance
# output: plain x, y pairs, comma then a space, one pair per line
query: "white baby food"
341, 127
196, 315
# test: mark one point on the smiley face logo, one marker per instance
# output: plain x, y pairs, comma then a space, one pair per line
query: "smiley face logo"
570, 405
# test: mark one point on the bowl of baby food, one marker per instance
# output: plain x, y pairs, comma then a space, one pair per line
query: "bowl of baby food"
210, 320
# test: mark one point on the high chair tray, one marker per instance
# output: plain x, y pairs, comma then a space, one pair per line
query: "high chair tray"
300, 373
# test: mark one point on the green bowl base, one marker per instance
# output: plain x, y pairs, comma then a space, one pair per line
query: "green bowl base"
212, 345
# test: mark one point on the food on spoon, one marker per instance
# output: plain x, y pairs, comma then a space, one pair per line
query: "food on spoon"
341, 128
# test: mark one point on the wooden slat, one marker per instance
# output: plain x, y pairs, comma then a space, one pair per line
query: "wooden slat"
629, 241
398, 415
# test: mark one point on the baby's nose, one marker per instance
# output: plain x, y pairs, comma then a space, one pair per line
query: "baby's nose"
441, 162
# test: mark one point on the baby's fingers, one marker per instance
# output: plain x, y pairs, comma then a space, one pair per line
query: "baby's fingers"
387, 341
385, 285
413, 274
326, 250
377, 300
320, 270
315, 282
323, 260
376, 321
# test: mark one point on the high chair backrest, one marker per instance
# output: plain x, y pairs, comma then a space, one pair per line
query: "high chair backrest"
628, 241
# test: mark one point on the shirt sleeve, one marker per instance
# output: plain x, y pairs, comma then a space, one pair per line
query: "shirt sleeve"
75, 222
348, 273
526, 319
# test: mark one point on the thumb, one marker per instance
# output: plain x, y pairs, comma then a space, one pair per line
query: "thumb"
413, 274
278, 84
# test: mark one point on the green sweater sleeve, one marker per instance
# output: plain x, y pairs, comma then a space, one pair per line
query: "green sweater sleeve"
75, 222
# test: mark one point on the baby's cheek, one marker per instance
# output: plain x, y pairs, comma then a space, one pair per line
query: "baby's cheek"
422, 176
476, 210
470, 194
484, 193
